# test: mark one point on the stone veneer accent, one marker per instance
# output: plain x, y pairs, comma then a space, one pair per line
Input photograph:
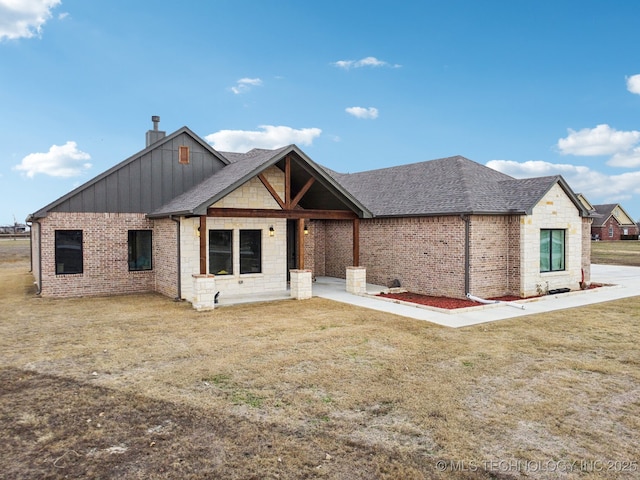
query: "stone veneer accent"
356, 280
555, 210
273, 277
301, 281
204, 292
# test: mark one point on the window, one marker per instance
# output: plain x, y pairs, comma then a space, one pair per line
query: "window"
139, 250
250, 251
68, 251
220, 252
610, 231
551, 250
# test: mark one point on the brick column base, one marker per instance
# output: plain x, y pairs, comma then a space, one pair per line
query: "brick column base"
301, 284
204, 292
357, 280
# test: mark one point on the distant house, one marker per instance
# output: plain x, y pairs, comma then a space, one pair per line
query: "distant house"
185, 220
612, 222
16, 228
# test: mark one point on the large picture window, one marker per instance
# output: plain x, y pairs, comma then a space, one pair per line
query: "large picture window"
552, 250
68, 251
250, 251
140, 250
221, 252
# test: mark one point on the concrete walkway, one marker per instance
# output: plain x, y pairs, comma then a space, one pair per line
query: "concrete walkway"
624, 282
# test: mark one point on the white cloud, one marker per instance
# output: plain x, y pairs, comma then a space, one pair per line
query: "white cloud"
60, 161
244, 85
362, 112
269, 137
596, 186
24, 18
633, 84
628, 159
364, 62
601, 140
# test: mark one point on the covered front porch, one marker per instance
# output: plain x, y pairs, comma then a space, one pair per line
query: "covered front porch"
265, 220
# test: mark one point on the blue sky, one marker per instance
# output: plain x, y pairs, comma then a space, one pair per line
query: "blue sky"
529, 88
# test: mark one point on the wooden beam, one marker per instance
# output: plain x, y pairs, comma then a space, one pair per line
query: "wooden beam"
287, 182
302, 191
203, 244
292, 214
356, 242
272, 190
300, 244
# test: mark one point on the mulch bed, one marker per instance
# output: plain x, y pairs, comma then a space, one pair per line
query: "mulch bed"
452, 303
441, 302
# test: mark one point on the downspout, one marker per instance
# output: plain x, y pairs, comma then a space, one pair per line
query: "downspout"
467, 221
179, 297
39, 283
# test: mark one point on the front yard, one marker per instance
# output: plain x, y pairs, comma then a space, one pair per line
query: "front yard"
144, 387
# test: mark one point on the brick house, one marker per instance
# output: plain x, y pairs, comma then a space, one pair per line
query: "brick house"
611, 222
185, 220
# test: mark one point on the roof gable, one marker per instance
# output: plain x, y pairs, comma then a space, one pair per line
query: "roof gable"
144, 181
605, 211
325, 192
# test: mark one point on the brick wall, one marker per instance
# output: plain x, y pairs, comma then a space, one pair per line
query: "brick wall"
618, 230
165, 254
105, 255
426, 254
494, 249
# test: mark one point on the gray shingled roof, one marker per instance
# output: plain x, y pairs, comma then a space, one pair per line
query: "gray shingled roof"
452, 185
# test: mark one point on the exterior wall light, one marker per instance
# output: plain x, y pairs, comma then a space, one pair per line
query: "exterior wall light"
272, 232
306, 229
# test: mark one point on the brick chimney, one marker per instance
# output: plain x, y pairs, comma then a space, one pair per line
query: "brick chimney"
154, 135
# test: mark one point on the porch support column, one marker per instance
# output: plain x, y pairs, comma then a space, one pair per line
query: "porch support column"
204, 292
357, 280
203, 244
300, 244
301, 282
356, 242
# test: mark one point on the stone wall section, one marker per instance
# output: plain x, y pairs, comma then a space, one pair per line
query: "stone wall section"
253, 194
556, 211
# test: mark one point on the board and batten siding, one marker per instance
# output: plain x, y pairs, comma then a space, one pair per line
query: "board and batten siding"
144, 183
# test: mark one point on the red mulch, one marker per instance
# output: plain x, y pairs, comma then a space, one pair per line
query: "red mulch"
440, 302
451, 303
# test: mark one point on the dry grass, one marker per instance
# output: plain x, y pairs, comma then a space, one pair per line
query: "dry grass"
143, 387
625, 252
